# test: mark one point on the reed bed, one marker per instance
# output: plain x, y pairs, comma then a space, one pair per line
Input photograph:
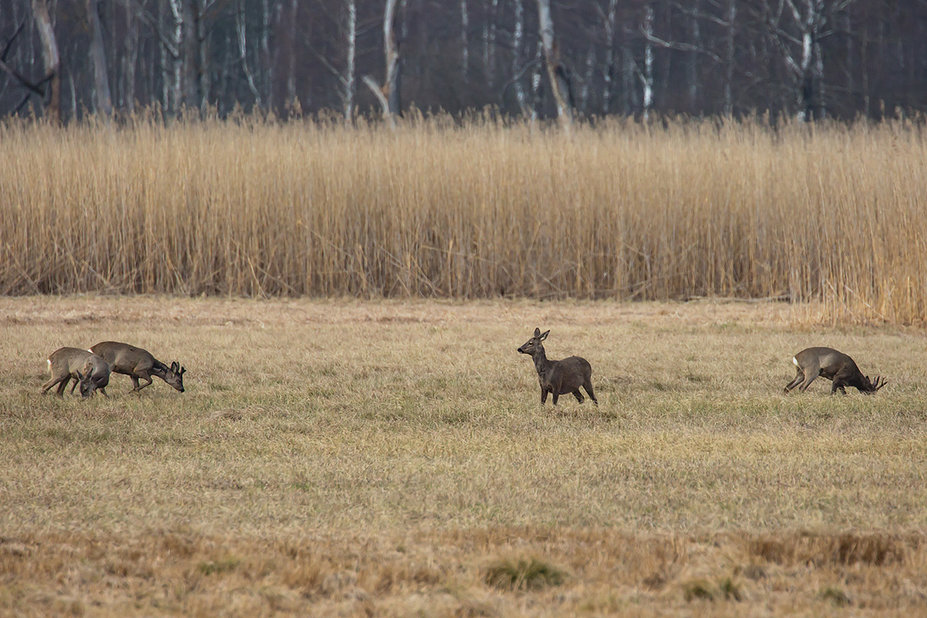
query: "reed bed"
830, 213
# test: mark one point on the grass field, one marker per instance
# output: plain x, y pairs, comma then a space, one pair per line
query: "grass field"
392, 458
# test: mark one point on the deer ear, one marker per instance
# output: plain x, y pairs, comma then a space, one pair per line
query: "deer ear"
537, 332
544, 335
174, 367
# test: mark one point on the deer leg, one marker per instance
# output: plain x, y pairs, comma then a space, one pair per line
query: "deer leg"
73, 386
49, 384
102, 389
63, 385
810, 376
145, 376
543, 396
588, 386
799, 376
556, 394
578, 395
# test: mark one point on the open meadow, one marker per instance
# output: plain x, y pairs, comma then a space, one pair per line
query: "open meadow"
392, 458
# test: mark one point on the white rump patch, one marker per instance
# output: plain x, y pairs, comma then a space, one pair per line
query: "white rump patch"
795, 361
91, 351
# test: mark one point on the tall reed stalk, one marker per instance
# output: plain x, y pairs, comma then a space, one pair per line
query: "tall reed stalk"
830, 213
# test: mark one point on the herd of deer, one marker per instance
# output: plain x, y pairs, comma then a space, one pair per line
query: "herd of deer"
560, 377
92, 368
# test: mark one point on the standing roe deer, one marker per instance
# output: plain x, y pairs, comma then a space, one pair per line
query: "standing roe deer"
138, 363
86, 368
833, 365
562, 376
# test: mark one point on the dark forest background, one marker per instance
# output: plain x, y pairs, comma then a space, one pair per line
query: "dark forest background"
800, 58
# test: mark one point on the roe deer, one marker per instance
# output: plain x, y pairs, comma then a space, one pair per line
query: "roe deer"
833, 365
86, 368
138, 363
562, 376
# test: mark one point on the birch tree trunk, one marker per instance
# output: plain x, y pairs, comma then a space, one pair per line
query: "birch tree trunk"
349, 83
290, 101
242, 36
518, 38
489, 42
202, 55
464, 40
728, 105
647, 73
608, 70
50, 59
556, 73
388, 94
175, 88
102, 99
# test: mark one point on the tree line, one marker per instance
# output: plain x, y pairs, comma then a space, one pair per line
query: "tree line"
807, 59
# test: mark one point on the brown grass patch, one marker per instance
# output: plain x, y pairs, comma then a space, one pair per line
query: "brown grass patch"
349, 457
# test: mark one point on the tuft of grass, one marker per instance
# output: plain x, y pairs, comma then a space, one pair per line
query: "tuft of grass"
522, 574
730, 590
699, 589
836, 596
217, 567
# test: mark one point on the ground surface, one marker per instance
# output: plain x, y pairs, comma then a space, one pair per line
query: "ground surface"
393, 457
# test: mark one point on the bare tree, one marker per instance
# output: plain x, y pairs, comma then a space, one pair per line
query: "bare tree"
464, 39
646, 75
102, 100
518, 38
556, 72
800, 43
388, 93
242, 37
50, 58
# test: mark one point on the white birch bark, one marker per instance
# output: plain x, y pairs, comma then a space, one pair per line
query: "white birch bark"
242, 36
388, 93
556, 73
349, 83
647, 73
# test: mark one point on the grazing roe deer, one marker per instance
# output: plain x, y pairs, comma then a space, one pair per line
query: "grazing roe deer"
559, 377
833, 365
138, 363
86, 368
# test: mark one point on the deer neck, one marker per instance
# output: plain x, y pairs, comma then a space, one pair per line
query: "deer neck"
540, 361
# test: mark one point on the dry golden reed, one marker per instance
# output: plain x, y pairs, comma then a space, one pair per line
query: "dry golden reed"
830, 213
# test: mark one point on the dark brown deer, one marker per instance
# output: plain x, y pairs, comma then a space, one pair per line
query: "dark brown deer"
833, 365
139, 364
87, 369
559, 377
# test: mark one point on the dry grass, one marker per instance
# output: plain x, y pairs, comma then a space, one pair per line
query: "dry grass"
388, 457
831, 214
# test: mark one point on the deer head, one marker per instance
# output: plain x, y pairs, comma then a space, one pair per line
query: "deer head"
533, 344
174, 376
875, 385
